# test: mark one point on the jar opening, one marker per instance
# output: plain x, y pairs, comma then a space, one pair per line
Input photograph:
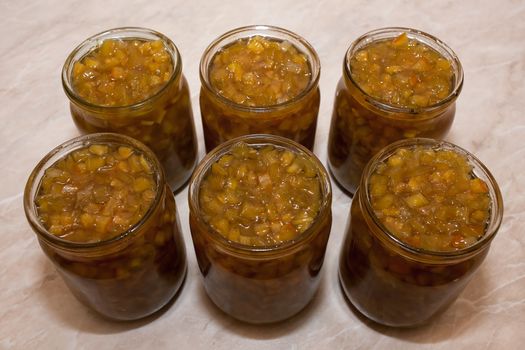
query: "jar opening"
479, 170
34, 182
257, 140
270, 33
127, 33
422, 37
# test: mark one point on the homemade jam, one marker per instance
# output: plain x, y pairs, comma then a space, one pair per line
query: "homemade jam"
259, 72
260, 219
259, 80
421, 224
106, 218
122, 72
95, 193
260, 197
429, 199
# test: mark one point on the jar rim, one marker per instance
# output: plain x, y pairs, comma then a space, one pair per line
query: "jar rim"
258, 140
423, 37
94, 41
62, 150
478, 168
267, 31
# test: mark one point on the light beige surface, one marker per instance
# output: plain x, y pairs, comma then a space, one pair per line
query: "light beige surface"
36, 309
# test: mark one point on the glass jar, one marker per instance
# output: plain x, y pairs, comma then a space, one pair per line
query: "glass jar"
131, 275
362, 125
394, 283
224, 119
163, 121
260, 284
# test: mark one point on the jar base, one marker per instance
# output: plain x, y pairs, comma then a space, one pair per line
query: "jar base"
374, 323
151, 316
269, 321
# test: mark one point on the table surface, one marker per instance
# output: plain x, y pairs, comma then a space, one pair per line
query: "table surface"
37, 310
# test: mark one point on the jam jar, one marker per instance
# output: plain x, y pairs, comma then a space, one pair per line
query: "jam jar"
397, 83
106, 218
260, 218
259, 80
421, 223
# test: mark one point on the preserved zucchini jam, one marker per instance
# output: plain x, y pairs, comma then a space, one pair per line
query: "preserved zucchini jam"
95, 193
420, 225
129, 81
397, 83
260, 72
402, 72
106, 218
430, 199
260, 196
260, 218
259, 80
122, 72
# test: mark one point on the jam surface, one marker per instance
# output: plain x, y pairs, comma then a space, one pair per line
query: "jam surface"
95, 193
430, 198
261, 196
259, 71
402, 72
122, 72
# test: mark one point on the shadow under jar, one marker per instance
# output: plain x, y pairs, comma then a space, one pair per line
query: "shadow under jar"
260, 257
418, 230
106, 218
129, 81
397, 83
259, 80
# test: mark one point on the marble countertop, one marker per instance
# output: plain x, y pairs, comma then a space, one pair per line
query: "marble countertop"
37, 310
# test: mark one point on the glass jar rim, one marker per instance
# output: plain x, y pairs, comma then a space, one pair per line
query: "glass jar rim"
478, 167
258, 140
266, 31
62, 150
94, 41
425, 38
